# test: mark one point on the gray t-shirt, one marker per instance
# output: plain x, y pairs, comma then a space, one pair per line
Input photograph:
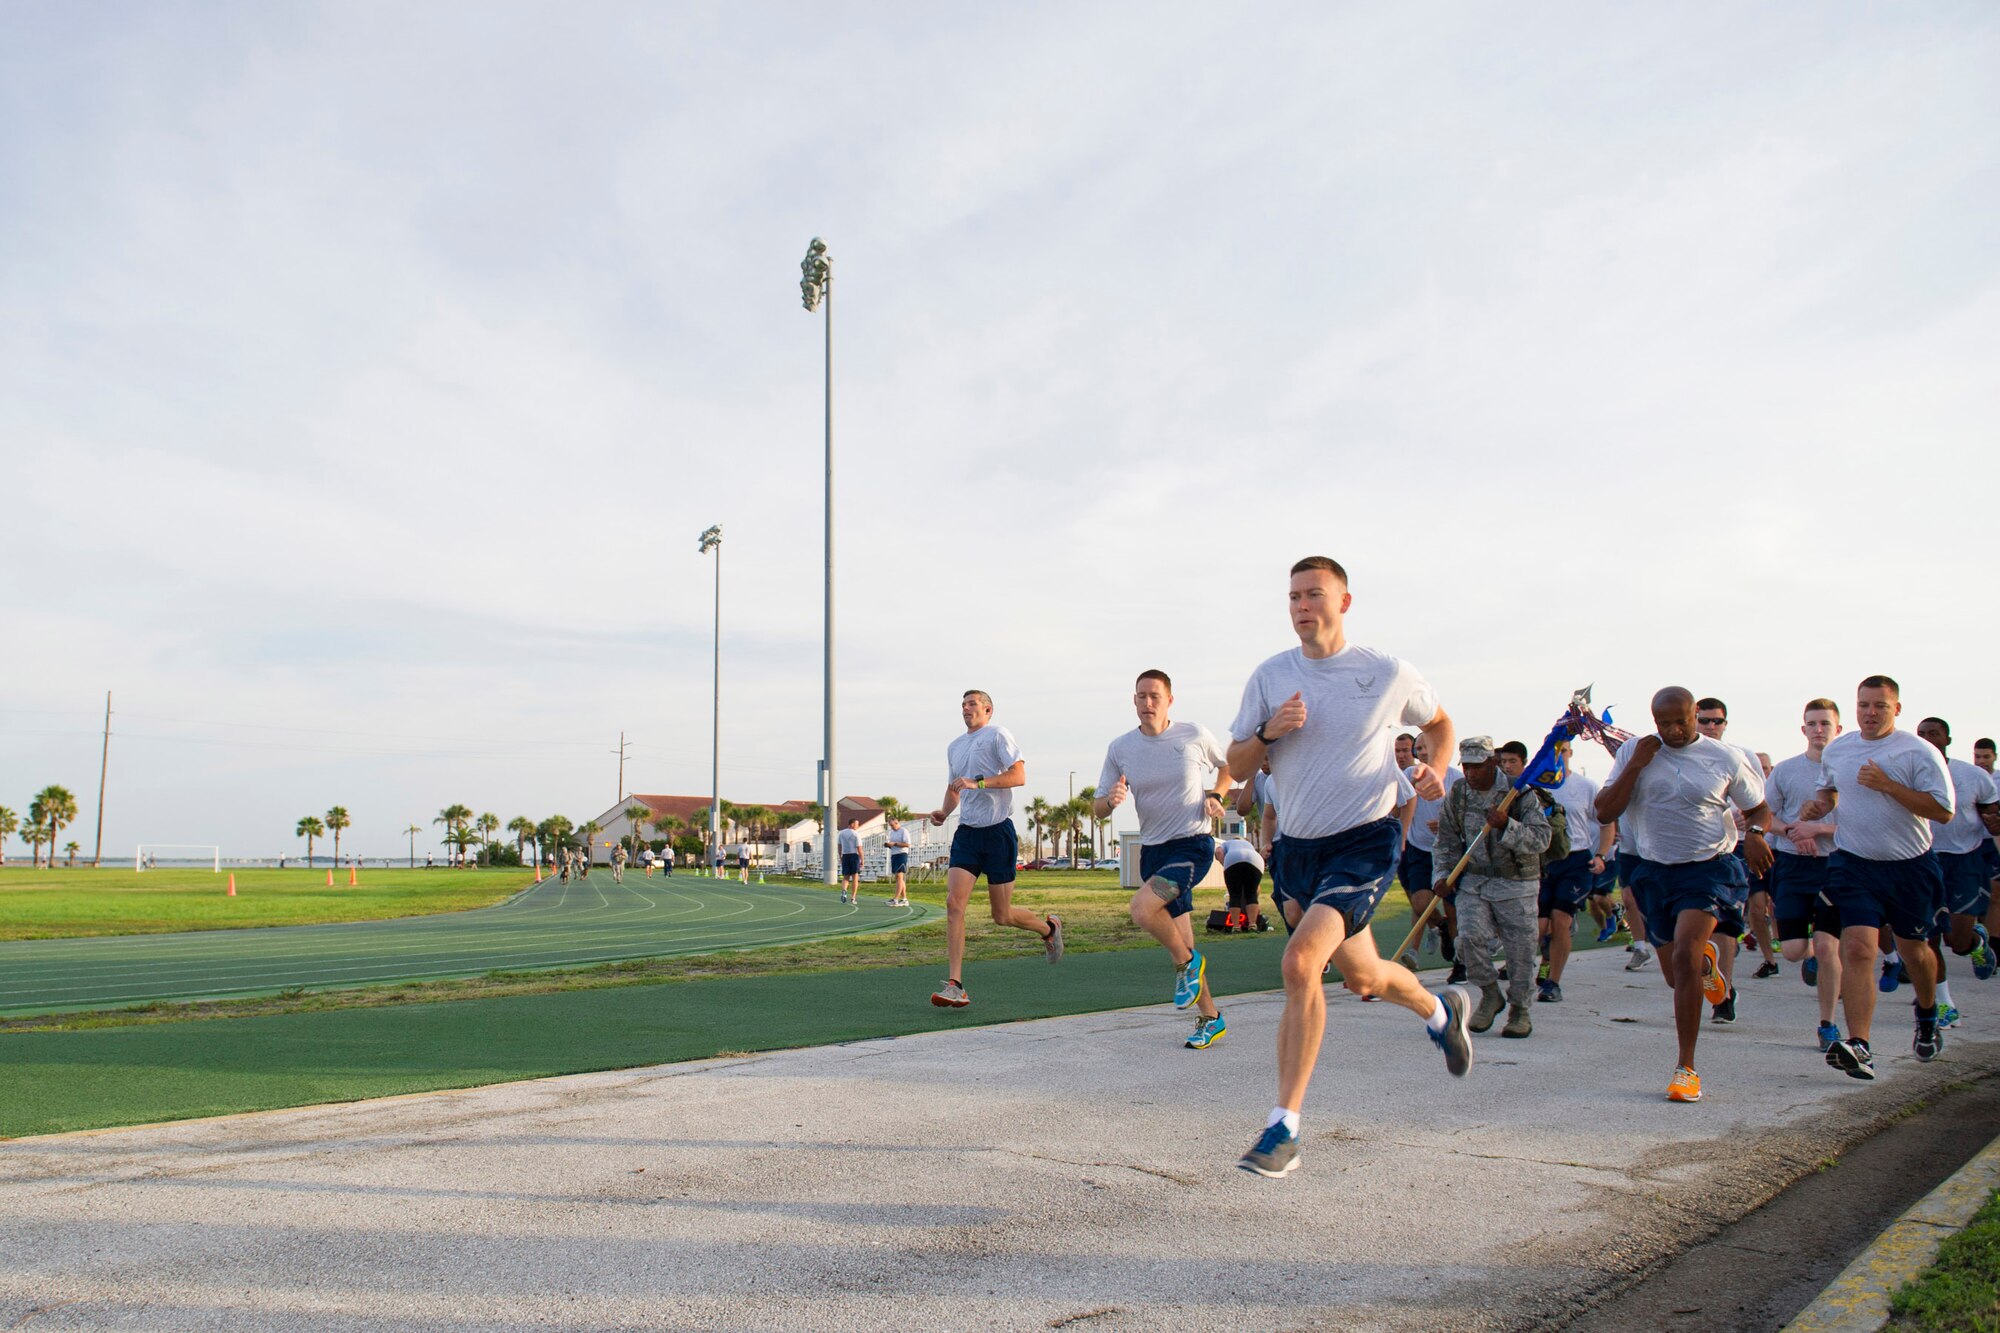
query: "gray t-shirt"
1578, 798
1168, 777
897, 840
985, 753
850, 842
1872, 824
1680, 810
1971, 787
1422, 836
1338, 771
1792, 783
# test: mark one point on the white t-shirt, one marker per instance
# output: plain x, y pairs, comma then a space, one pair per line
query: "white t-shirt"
1578, 798
1873, 825
1237, 851
1792, 783
985, 753
1680, 810
1971, 787
850, 842
897, 840
1338, 771
1422, 837
1169, 775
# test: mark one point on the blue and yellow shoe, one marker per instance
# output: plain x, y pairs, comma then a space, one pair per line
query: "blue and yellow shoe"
1187, 981
1207, 1032
1984, 964
1947, 1015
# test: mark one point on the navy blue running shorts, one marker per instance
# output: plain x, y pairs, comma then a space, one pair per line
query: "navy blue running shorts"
1906, 895
850, 863
1347, 871
1180, 864
1968, 888
1566, 884
1798, 896
899, 863
1415, 870
989, 851
1716, 886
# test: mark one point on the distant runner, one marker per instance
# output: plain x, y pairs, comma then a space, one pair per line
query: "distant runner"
897, 840
850, 862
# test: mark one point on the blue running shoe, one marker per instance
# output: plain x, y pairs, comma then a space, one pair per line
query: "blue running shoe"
1608, 929
1809, 970
1456, 1039
1187, 981
1274, 1154
1887, 983
1208, 1032
1829, 1033
1984, 964
1947, 1016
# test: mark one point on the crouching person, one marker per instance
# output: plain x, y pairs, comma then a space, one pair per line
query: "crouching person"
1497, 895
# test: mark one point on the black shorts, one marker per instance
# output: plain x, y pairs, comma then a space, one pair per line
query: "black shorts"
1416, 870
1242, 880
989, 851
1905, 895
850, 864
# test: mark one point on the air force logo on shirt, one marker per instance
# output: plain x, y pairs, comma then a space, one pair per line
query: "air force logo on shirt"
1365, 684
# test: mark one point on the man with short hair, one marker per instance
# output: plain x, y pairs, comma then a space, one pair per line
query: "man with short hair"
1808, 924
1678, 787
897, 841
1322, 713
986, 765
1178, 779
1968, 893
850, 862
618, 859
1496, 896
1888, 787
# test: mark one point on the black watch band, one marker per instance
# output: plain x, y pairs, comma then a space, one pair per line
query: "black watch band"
1267, 740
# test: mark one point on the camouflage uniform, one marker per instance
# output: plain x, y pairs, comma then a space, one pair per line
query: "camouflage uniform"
1497, 894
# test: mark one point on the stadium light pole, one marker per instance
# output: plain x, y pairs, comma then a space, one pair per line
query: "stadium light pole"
816, 288
711, 540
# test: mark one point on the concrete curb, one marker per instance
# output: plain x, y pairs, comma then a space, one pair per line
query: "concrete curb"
1858, 1300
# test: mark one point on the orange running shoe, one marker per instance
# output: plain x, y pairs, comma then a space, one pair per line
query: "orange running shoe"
1714, 986
1686, 1086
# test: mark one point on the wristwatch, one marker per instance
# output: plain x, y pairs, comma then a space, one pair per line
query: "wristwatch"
1268, 740
979, 783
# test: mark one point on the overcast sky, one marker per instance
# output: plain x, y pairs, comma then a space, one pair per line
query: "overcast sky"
367, 373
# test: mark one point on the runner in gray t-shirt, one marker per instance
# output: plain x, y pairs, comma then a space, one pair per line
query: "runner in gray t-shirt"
1323, 713
1177, 780
986, 765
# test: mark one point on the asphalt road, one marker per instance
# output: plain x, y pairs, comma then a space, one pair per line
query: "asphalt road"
554, 924
1074, 1172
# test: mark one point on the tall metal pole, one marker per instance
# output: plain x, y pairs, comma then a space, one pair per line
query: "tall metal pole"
103, 767
817, 287
712, 541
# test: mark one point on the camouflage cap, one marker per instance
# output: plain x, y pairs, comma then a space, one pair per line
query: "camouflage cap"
1475, 749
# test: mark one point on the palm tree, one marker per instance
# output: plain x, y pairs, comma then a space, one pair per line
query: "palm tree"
72, 849
1089, 798
489, 824
412, 831
666, 826
10, 823
523, 828
310, 828
453, 818
636, 814
589, 833
38, 830
336, 820
894, 809
58, 808
1038, 822
1075, 811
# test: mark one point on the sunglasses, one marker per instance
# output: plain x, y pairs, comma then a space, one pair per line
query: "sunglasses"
1711, 721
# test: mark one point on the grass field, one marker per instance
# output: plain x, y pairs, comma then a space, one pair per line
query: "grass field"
1960, 1291
63, 904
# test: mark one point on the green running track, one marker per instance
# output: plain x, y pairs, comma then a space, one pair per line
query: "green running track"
552, 925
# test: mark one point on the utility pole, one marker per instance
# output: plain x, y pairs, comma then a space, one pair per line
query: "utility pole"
103, 768
816, 287
620, 752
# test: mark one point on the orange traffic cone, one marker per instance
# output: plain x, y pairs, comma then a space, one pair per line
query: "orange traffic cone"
353, 874
538, 873
329, 877
232, 885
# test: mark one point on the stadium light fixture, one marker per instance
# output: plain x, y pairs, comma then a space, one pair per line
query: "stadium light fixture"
711, 540
816, 289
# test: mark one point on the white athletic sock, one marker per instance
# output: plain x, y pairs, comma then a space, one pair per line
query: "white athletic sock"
1890, 957
1291, 1119
1436, 1022
1944, 992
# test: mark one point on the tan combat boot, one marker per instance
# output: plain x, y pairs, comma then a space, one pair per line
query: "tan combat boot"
1518, 1022
1491, 1002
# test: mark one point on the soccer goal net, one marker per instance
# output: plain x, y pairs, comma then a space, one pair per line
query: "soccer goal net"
151, 855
